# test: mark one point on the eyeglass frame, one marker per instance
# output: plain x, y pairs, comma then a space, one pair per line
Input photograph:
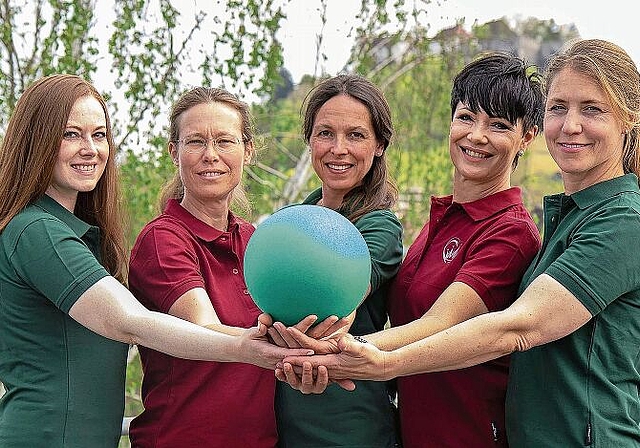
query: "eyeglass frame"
205, 143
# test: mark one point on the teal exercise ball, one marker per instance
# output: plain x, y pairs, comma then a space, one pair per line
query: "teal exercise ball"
307, 259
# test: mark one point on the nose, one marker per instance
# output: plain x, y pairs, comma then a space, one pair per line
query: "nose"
477, 134
571, 124
211, 151
339, 146
89, 147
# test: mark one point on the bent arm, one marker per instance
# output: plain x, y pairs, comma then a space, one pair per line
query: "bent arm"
456, 304
195, 306
545, 312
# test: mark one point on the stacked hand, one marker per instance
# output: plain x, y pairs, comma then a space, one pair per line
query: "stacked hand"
255, 344
339, 357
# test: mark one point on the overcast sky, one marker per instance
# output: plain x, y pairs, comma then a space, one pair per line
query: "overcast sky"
612, 20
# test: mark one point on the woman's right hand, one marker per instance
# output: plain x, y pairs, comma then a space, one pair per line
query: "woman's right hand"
320, 338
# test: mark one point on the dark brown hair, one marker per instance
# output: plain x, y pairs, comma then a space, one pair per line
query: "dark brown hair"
378, 191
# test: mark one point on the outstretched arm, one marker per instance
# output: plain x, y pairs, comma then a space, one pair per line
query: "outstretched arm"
545, 312
109, 309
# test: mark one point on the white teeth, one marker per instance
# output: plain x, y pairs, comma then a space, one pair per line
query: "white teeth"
83, 167
475, 154
338, 167
211, 174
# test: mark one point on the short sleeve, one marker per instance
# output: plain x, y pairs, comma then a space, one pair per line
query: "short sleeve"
601, 261
163, 266
382, 232
497, 261
51, 259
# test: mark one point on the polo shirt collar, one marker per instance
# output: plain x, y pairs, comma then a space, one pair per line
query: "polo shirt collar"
200, 229
488, 206
50, 205
605, 190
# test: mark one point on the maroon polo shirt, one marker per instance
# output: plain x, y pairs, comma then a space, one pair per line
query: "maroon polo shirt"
195, 403
486, 244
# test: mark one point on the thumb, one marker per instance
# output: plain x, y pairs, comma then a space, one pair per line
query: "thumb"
347, 344
265, 319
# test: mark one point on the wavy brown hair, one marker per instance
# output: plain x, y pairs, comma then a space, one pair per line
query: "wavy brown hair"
28, 156
378, 190
174, 189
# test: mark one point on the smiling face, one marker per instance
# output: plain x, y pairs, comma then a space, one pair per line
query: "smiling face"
343, 145
482, 150
83, 154
209, 176
583, 135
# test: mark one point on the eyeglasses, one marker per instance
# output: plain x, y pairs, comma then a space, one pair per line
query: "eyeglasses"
196, 145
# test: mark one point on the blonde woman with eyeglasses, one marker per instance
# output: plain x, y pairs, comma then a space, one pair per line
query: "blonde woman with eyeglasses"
187, 262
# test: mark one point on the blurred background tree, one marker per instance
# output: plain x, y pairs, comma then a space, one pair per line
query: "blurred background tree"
151, 55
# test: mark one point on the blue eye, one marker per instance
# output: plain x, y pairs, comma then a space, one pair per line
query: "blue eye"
70, 135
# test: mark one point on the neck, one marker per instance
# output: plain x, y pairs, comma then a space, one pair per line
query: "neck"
465, 190
216, 215
330, 201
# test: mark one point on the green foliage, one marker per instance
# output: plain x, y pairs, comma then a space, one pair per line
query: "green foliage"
142, 180
59, 31
153, 57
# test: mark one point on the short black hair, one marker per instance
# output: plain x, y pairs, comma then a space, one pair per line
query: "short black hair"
502, 85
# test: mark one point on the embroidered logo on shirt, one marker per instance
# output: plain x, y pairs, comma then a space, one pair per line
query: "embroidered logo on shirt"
450, 250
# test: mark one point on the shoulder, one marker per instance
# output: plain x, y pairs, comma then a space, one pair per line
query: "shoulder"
35, 223
379, 218
165, 225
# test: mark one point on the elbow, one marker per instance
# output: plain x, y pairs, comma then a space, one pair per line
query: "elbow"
126, 326
522, 343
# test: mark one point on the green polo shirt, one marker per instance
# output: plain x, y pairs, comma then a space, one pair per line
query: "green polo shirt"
582, 390
65, 384
364, 418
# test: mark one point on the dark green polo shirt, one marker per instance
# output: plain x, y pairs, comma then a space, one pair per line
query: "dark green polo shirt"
582, 390
363, 418
65, 384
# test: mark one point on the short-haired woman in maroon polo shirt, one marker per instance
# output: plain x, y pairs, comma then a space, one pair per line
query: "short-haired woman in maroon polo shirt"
470, 256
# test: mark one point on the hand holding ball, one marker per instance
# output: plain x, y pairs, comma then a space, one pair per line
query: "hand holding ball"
307, 259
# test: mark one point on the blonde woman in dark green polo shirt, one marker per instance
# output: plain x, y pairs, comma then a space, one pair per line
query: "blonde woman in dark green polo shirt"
66, 318
575, 327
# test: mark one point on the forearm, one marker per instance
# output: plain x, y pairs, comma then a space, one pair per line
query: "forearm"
128, 321
226, 329
469, 343
183, 339
396, 337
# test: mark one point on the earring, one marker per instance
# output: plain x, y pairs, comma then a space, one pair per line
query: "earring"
520, 153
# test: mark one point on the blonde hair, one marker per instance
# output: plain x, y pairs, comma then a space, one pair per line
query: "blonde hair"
609, 66
174, 189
